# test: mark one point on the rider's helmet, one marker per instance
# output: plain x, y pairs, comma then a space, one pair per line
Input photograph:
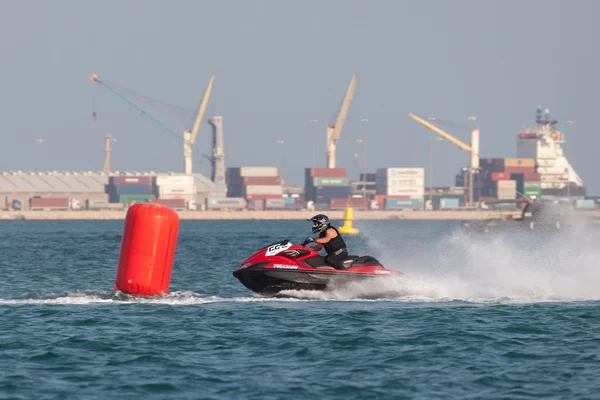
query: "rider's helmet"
320, 223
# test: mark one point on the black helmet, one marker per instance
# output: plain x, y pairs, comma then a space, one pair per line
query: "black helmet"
320, 222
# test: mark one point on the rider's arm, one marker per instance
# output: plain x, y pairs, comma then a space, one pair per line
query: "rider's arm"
329, 234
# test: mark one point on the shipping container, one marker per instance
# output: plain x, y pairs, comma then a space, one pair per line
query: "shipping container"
519, 170
519, 162
400, 181
48, 203
127, 198
255, 180
289, 200
324, 173
327, 192
173, 203
297, 206
492, 164
176, 189
531, 176
174, 180
449, 203
334, 181
532, 185
274, 203
370, 177
103, 205
130, 180
391, 203
225, 203
394, 191
585, 204
536, 193
246, 172
500, 176
259, 197
263, 189
116, 190
353, 202
399, 172
506, 184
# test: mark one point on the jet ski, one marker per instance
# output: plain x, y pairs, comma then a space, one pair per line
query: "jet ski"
286, 266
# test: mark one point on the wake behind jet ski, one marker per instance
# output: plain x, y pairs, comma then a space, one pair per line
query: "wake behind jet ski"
285, 266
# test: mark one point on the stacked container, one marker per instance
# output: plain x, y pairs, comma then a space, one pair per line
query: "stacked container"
400, 183
293, 197
175, 187
125, 189
323, 184
505, 178
225, 203
256, 184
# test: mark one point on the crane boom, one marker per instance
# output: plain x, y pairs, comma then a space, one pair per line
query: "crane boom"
333, 131
442, 133
94, 78
202, 110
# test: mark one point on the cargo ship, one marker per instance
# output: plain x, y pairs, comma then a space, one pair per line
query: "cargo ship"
544, 143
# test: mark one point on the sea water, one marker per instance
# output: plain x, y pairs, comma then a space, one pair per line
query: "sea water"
486, 316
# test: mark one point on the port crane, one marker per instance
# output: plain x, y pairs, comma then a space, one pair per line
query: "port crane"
473, 149
189, 137
333, 131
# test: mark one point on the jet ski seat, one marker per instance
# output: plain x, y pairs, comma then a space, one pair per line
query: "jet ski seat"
348, 260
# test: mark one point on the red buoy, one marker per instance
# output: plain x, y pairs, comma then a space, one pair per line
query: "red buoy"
147, 250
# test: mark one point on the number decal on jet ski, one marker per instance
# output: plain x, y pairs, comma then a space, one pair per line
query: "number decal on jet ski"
276, 248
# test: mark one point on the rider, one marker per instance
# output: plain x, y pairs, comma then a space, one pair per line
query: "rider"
331, 240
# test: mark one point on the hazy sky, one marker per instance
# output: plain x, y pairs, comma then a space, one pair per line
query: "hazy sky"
279, 64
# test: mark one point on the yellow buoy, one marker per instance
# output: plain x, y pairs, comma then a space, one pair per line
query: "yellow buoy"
347, 228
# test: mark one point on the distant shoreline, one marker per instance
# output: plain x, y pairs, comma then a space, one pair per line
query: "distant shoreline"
450, 215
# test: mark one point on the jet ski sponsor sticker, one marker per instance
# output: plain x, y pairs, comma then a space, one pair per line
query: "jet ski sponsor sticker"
276, 248
284, 266
382, 272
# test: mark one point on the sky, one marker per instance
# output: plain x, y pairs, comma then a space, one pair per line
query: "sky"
280, 64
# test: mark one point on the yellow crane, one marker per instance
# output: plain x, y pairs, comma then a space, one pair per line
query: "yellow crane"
473, 149
189, 137
333, 131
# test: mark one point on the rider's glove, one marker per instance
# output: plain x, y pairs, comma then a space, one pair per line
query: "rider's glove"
307, 241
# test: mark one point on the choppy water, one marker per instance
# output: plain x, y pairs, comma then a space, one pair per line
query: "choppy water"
491, 317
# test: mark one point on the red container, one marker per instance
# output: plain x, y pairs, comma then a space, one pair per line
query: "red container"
147, 250
518, 170
326, 172
256, 180
500, 176
263, 196
48, 202
532, 176
351, 202
130, 180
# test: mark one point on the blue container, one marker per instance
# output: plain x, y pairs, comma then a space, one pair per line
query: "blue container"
289, 200
449, 203
327, 192
403, 203
584, 204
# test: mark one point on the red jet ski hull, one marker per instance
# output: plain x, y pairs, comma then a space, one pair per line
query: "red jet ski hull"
283, 266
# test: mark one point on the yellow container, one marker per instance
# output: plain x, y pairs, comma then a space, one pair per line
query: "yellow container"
519, 162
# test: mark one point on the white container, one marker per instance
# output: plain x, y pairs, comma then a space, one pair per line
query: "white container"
400, 181
168, 180
391, 191
507, 184
246, 172
187, 197
397, 172
264, 189
176, 189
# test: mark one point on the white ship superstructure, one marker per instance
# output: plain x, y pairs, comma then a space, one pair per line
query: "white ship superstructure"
545, 144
